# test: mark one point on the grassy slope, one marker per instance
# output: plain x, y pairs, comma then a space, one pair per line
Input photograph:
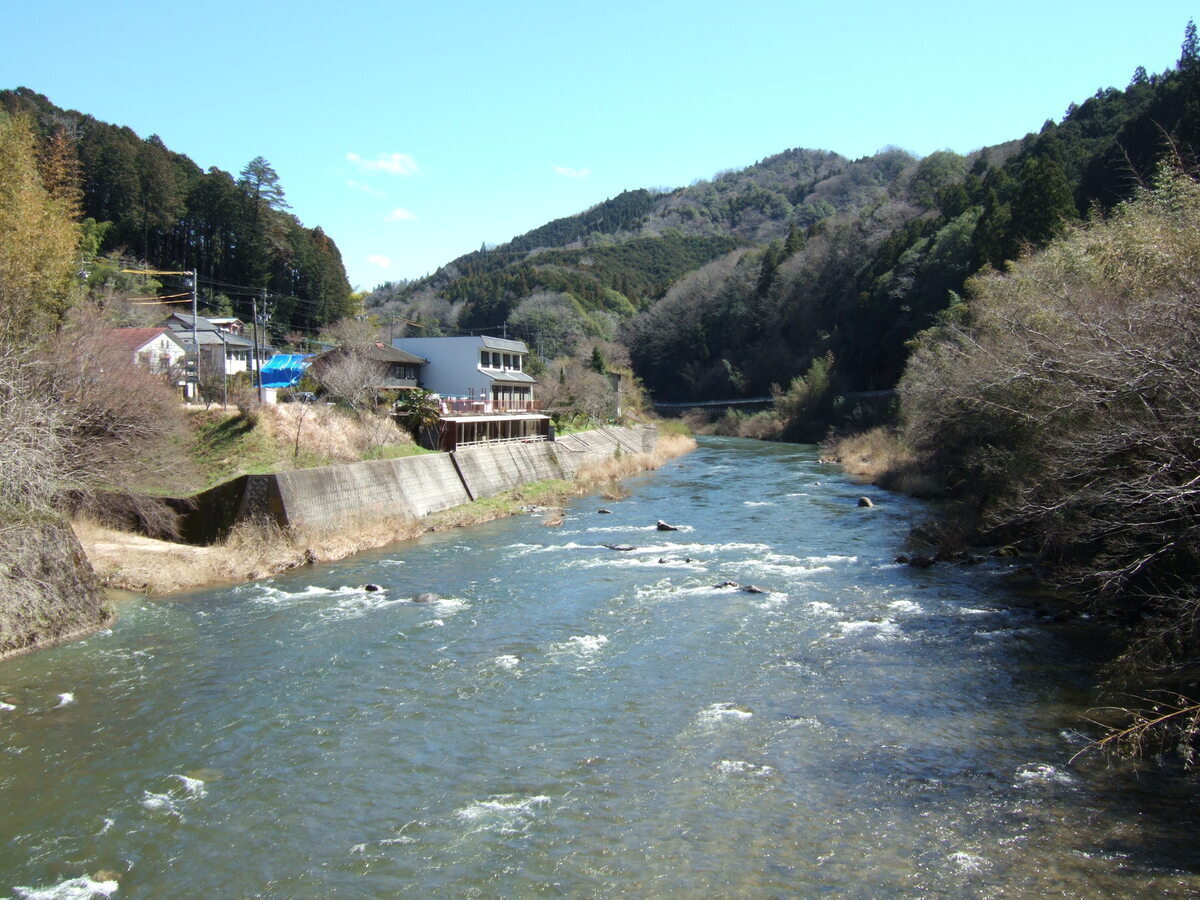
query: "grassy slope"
294, 436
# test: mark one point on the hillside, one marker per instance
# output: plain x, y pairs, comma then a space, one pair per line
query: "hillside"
739, 283
622, 254
141, 203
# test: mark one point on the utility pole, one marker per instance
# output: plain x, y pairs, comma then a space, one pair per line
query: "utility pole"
195, 330
195, 286
256, 367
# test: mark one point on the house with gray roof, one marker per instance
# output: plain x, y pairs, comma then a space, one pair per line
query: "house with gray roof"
230, 353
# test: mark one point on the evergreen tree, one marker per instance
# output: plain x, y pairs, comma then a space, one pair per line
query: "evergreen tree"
794, 242
770, 262
598, 362
1043, 205
1189, 52
261, 183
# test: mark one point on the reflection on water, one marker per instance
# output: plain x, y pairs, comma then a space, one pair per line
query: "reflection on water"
566, 719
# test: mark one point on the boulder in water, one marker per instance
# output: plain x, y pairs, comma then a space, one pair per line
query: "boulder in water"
371, 588
865, 502
622, 548
663, 526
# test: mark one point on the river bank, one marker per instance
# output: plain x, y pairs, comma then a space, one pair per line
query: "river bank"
612, 723
255, 549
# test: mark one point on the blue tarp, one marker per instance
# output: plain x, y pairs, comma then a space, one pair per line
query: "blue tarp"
283, 370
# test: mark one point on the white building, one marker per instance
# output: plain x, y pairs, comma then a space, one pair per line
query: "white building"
474, 374
156, 349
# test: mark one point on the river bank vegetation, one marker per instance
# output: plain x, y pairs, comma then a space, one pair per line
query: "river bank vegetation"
1057, 404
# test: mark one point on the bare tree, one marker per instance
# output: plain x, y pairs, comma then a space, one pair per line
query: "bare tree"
352, 378
1062, 405
351, 333
34, 470
572, 390
121, 420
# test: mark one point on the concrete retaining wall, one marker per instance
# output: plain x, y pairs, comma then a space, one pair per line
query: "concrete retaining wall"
491, 469
410, 488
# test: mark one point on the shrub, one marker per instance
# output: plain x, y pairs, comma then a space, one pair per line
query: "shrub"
1065, 410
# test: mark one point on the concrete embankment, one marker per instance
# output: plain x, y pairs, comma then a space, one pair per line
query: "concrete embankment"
409, 488
48, 592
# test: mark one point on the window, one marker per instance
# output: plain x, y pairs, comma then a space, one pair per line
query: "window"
507, 361
495, 360
485, 359
517, 362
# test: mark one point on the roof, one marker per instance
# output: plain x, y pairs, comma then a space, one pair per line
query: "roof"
493, 343
379, 353
202, 324
216, 339
510, 377
133, 339
383, 353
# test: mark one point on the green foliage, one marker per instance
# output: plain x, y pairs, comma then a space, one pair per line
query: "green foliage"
613, 278
805, 407
598, 363
417, 409
141, 199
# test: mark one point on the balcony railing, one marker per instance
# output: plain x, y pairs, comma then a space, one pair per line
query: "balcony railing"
464, 406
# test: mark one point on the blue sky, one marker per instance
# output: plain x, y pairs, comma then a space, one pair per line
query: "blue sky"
413, 132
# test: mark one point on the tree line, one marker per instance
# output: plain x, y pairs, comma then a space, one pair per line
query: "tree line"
857, 286
139, 201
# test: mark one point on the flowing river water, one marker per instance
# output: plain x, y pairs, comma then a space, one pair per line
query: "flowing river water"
569, 720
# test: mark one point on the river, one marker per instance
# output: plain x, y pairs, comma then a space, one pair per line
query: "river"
569, 720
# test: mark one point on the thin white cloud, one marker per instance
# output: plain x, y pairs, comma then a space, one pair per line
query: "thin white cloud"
387, 163
364, 188
568, 172
399, 214
378, 259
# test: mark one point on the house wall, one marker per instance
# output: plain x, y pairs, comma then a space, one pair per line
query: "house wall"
453, 369
159, 354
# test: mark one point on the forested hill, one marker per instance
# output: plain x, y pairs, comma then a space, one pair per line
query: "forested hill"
143, 202
732, 285
624, 253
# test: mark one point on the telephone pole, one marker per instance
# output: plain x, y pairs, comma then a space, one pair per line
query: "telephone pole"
257, 367
195, 330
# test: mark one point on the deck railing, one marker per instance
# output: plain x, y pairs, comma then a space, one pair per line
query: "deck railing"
467, 407
527, 439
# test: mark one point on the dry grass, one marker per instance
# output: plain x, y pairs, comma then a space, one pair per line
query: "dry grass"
257, 550
615, 491
668, 446
252, 551
880, 457
328, 433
